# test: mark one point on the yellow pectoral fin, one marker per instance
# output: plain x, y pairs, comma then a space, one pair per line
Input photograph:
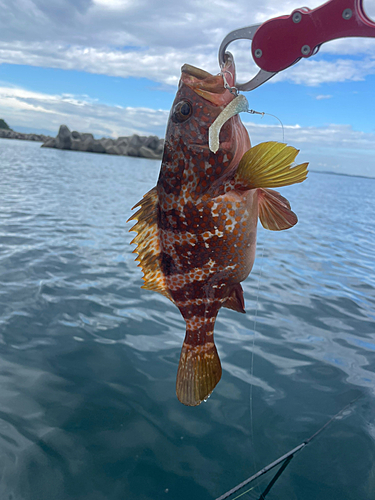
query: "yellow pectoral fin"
274, 211
268, 165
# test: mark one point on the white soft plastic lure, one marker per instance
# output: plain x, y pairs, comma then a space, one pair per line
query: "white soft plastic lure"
238, 105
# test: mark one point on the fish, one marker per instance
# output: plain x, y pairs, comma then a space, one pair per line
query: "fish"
196, 229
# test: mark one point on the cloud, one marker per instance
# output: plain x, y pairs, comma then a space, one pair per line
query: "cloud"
158, 65
26, 108
334, 147
330, 136
320, 97
313, 72
163, 64
349, 46
138, 39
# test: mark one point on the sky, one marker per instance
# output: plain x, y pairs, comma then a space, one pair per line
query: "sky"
111, 67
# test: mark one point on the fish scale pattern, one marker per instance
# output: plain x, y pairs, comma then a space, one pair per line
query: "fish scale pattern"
201, 219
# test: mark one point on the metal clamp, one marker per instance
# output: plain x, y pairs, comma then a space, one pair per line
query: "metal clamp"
247, 34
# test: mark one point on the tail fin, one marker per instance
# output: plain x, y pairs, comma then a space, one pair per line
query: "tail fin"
198, 373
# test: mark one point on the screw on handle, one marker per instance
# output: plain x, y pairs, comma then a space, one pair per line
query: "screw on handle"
280, 42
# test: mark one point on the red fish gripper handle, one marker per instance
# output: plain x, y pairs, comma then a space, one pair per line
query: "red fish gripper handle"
282, 41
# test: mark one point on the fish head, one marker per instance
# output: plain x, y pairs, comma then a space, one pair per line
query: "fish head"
200, 99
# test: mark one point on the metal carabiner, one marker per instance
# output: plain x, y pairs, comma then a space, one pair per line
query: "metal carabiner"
279, 43
244, 34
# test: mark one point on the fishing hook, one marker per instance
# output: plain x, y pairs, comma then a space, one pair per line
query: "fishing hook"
232, 90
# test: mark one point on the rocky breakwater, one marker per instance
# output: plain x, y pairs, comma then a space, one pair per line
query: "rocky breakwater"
142, 147
11, 134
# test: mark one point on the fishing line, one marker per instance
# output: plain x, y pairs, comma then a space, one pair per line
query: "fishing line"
284, 460
232, 90
253, 112
252, 358
244, 493
235, 92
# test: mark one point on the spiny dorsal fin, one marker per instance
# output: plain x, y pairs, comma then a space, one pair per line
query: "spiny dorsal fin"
274, 211
147, 240
268, 165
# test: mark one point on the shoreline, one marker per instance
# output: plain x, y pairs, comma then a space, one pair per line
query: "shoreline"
12, 134
150, 147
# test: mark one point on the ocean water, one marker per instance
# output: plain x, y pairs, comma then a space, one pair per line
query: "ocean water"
88, 359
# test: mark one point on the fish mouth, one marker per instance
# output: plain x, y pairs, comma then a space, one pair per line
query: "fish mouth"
210, 87
198, 73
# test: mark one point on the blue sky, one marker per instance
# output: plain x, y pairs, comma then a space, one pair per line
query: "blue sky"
111, 67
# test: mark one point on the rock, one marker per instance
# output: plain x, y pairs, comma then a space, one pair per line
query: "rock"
136, 145
124, 149
86, 136
122, 143
136, 141
152, 142
123, 140
145, 152
160, 147
114, 150
106, 143
11, 134
76, 135
88, 145
97, 147
132, 151
50, 143
4, 125
85, 145
64, 138
76, 144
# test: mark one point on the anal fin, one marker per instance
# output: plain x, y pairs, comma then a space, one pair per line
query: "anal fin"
235, 300
274, 211
198, 373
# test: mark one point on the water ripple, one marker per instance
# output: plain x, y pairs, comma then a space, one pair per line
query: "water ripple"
88, 359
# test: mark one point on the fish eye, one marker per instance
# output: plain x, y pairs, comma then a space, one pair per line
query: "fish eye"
182, 111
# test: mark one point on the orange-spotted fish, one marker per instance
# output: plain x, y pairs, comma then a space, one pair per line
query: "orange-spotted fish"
197, 227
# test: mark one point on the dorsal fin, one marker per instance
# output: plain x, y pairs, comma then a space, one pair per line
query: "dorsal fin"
147, 240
